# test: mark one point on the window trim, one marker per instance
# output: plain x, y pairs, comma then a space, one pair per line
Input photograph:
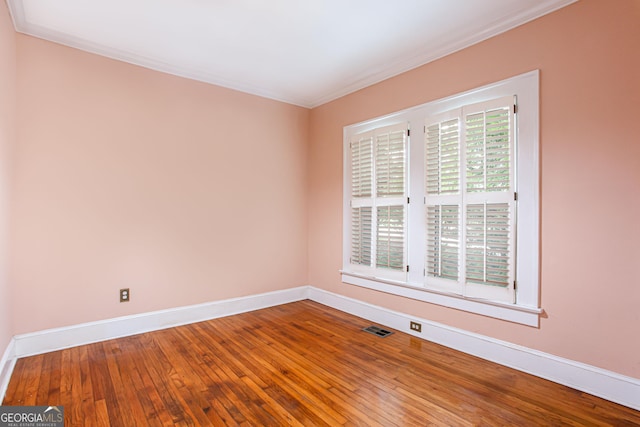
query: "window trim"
527, 309
511, 312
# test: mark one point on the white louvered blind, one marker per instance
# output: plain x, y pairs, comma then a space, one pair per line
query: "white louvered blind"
443, 199
488, 150
361, 166
390, 237
390, 163
378, 201
443, 157
361, 235
361, 192
489, 225
443, 241
469, 198
488, 246
390, 184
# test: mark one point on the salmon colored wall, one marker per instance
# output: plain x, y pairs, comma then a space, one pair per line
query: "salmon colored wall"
7, 139
589, 59
126, 177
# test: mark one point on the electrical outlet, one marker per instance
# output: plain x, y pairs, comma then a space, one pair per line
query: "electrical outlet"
415, 326
125, 295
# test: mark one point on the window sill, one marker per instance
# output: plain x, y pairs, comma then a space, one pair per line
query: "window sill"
529, 316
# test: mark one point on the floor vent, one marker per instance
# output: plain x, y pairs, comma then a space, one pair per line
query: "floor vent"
377, 331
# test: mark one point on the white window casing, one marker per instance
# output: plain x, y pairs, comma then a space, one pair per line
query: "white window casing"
442, 201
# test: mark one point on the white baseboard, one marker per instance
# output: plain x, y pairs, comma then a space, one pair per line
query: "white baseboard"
590, 379
86, 333
7, 363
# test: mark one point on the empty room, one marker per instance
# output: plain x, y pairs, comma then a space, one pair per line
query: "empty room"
322, 212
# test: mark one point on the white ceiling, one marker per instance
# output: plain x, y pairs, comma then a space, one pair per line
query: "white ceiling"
304, 52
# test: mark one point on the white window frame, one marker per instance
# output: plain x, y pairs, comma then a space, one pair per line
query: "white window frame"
526, 309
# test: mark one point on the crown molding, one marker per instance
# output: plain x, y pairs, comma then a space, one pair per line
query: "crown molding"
352, 84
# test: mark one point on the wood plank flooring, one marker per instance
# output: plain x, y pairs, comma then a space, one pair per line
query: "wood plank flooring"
298, 364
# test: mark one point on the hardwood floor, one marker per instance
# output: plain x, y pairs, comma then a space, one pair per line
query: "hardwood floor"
298, 364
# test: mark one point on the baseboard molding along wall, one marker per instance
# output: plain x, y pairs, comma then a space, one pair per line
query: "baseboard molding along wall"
590, 379
86, 333
7, 362
24, 345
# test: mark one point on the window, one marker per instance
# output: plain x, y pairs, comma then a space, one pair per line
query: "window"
441, 201
470, 200
378, 202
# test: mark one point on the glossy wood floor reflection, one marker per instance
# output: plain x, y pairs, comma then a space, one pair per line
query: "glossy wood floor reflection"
299, 364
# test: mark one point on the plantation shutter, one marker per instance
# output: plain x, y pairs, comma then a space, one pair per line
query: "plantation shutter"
443, 200
490, 211
443, 241
488, 150
487, 244
378, 202
361, 166
390, 163
390, 240
391, 159
443, 157
469, 200
361, 235
362, 202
